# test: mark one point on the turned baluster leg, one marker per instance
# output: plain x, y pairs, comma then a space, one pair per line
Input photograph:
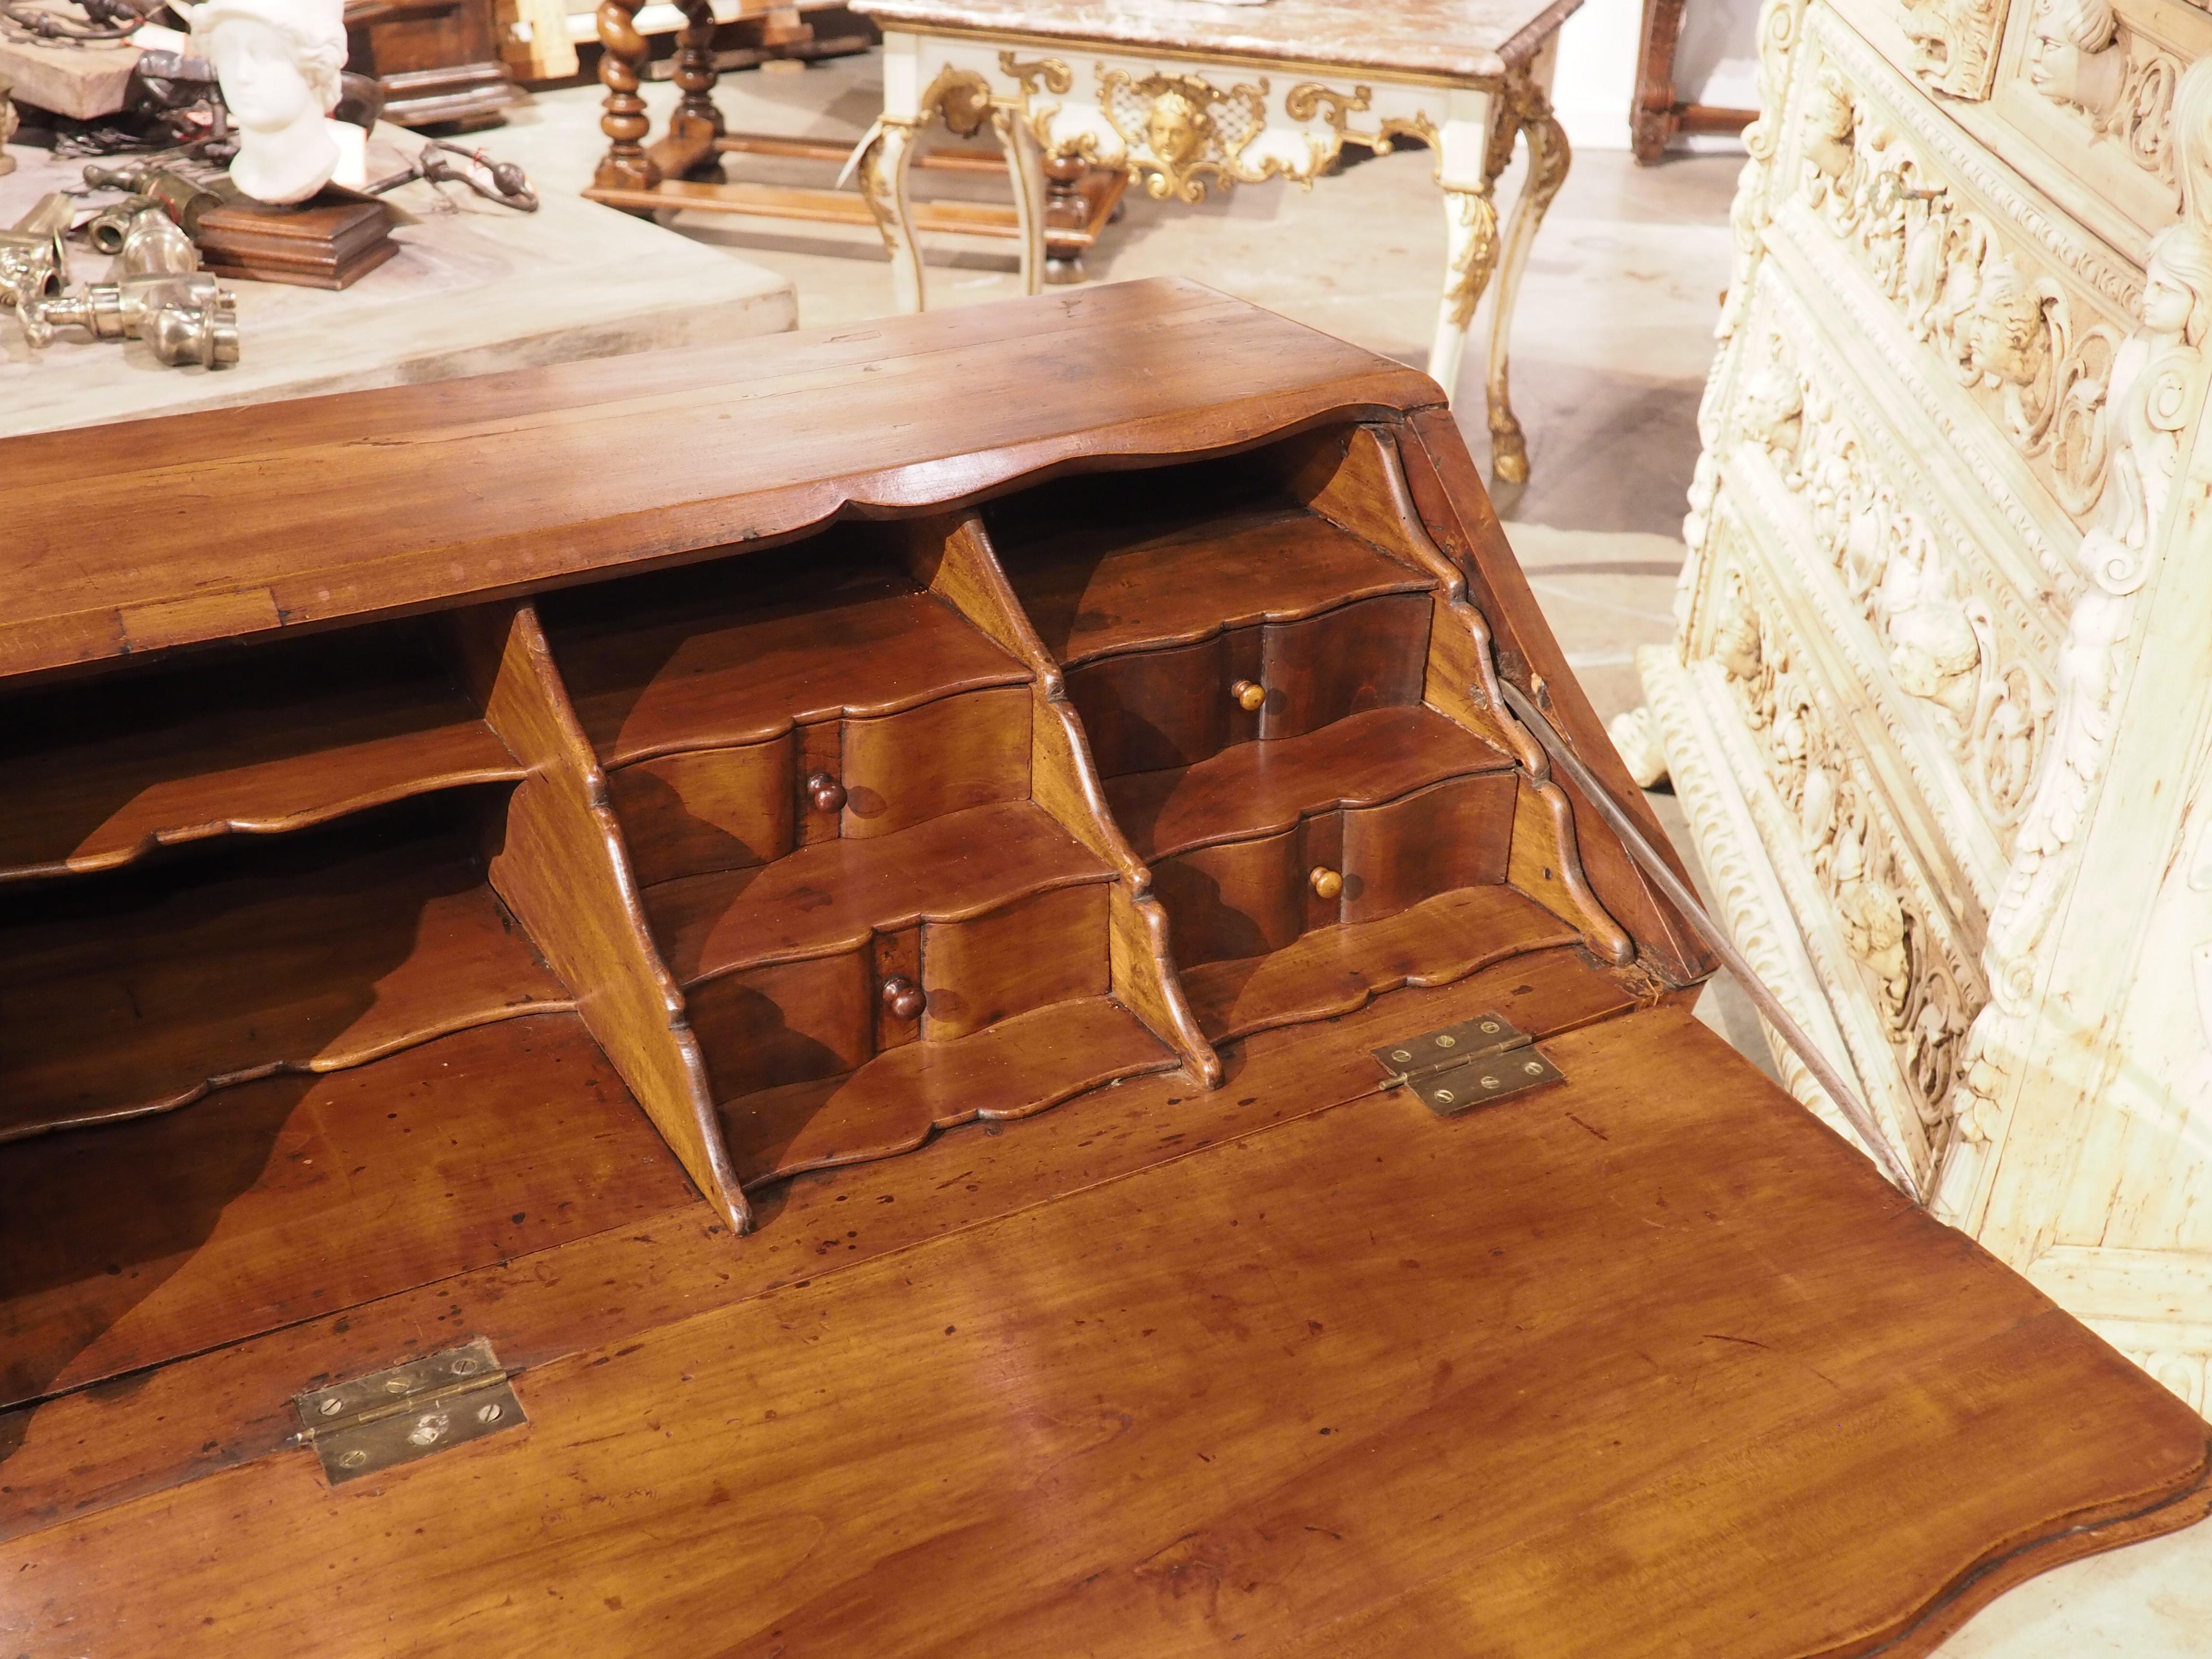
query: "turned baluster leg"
1067, 209
1471, 244
621, 57
1548, 160
696, 123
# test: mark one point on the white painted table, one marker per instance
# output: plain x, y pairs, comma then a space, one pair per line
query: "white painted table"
470, 292
1190, 96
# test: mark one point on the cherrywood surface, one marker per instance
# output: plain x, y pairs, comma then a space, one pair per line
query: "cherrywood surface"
957, 752
380, 502
1011, 1070
832, 896
1102, 568
294, 1198
311, 954
1366, 1381
1331, 971
562, 866
1447, 492
1256, 788
86, 1450
740, 651
257, 742
710, 809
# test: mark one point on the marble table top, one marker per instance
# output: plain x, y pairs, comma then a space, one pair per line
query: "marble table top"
1437, 40
473, 290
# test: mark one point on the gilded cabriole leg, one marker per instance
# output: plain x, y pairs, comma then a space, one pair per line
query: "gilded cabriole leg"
623, 54
1471, 232
1025, 168
882, 169
1531, 112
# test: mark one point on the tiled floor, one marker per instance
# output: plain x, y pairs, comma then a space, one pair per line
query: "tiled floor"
1612, 343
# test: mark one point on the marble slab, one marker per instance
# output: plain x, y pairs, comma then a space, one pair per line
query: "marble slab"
472, 290
1454, 40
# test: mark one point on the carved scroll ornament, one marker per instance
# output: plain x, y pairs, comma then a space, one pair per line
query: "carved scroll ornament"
1954, 44
2083, 57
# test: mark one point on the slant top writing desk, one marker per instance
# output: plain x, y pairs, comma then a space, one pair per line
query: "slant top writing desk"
951, 1022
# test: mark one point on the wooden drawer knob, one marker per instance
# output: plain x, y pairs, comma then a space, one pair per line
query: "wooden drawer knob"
903, 998
1327, 883
1249, 694
825, 791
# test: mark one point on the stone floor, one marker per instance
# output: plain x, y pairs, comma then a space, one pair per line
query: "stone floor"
1612, 344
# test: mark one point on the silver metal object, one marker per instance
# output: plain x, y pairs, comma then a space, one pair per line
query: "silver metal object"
392, 1417
1678, 892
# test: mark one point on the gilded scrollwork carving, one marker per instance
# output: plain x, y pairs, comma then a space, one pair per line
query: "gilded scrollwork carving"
1037, 74
1472, 223
1183, 131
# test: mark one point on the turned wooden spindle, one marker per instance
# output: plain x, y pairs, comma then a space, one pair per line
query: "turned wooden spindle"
903, 998
825, 791
622, 58
1249, 694
696, 122
1327, 883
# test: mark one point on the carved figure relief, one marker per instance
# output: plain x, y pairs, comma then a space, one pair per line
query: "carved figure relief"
1954, 44
2006, 336
2156, 390
1924, 1001
2081, 57
1945, 649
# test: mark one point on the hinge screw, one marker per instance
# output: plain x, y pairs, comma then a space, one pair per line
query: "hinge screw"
1402, 1054
1444, 1096
489, 1414
355, 1458
332, 1406
1447, 1043
1533, 1069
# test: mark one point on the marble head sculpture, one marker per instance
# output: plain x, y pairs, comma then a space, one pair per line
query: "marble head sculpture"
278, 63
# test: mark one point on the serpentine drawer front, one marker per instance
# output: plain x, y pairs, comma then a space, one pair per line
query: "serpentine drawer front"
519, 982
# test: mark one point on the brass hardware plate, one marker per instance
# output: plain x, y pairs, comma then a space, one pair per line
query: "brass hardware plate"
393, 1417
1483, 1059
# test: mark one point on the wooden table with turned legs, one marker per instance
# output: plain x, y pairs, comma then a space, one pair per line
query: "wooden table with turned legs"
1178, 96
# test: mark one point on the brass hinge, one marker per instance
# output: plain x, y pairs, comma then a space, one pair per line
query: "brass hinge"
1482, 1059
392, 1417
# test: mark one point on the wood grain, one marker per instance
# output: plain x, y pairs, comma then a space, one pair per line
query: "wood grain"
1546, 864
738, 651
1448, 492
84, 1451
257, 743
1331, 971
295, 1198
895, 1102
498, 485
311, 955
1254, 789
1045, 948
833, 895
562, 868
1526, 1449
955, 557
957, 752
708, 809
1173, 575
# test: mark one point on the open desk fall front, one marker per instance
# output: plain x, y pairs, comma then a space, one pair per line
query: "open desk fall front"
729, 1004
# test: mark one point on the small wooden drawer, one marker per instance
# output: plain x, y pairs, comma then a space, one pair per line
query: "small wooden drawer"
1233, 900
708, 809
1149, 710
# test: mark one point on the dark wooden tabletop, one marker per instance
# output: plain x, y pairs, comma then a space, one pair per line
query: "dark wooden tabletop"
148, 535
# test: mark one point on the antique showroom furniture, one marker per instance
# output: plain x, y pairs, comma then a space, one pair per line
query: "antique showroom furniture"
1658, 114
458, 880
470, 291
440, 62
1937, 710
1181, 99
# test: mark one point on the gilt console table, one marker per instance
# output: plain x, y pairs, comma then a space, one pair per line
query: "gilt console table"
1180, 97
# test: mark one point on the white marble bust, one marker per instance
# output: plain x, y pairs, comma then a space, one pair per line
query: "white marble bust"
277, 62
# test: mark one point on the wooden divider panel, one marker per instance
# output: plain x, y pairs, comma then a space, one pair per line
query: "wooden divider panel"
564, 869
953, 557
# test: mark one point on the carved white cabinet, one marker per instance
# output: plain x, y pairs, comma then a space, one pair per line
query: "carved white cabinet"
1939, 709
